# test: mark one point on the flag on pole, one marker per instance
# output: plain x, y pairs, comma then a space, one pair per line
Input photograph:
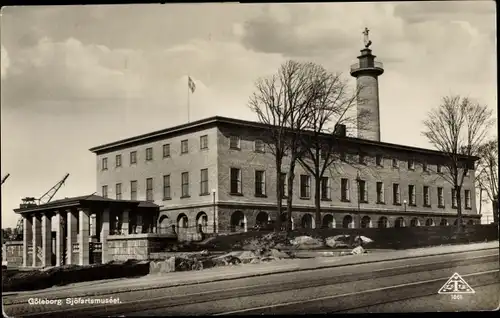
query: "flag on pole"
191, 84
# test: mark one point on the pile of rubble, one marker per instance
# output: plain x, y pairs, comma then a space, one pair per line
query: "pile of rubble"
202, 260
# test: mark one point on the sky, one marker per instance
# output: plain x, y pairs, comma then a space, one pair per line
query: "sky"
74, 77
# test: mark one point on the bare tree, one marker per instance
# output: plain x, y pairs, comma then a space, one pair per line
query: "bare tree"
284, 102
331, 109
457, 128
487, 173
268, 104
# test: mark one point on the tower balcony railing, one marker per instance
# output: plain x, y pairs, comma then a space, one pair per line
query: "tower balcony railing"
357, 66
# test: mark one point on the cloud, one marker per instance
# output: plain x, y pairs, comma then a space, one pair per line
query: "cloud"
5, 61
70, 71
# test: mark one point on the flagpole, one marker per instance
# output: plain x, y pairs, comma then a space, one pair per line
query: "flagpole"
188, 98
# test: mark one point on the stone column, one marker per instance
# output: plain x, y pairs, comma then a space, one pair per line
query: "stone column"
37, 239
138, 227
83, 237
46, 240
104, 235
125, 222
94, 227
27, 238
71, 236
59, 238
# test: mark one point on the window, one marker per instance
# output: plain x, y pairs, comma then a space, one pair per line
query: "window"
380, 192
395, 163
104, 191
235, 181
133, 157
411, 164
104, 163
325, 188
439, 168
184, 146
396, 194
427, 199
234, 142
185, 184
344, 185
362, 191
259, 145
440, 197
204, 142
283, 185
424, 166
260, 183
118, 160
362, 159
166, 187
305, 186
149, 154
133, 190
467, 199
166, 150
453, 198
411, 194
118, 191
379, 161
149, 189
204, 181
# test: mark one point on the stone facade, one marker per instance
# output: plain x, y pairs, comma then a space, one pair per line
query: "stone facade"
134, 246
13, 253
405, 166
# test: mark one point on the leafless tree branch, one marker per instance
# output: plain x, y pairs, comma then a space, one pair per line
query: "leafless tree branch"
457, 128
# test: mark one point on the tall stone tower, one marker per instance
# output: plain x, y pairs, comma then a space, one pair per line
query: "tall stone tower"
367, 72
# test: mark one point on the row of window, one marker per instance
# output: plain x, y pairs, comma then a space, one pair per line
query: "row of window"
259, 146
305, 189
234, 143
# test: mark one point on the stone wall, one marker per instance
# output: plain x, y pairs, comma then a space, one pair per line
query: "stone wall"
14, 253
134, 246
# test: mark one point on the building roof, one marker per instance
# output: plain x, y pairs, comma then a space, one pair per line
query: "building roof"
144, 138
83, 200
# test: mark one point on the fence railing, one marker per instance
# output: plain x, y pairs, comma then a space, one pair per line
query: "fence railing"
357, 66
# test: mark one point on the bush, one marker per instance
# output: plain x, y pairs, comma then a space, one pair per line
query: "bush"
70, 274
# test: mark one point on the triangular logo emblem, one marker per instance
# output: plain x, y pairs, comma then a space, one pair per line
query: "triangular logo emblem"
456, 285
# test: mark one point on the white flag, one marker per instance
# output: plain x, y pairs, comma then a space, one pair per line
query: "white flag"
191, 84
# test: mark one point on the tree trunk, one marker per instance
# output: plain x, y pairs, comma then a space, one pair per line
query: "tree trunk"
495, 209
459, 208
480, 200
317, 201
289, 199
279, 195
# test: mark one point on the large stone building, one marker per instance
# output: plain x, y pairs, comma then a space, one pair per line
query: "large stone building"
217, 174
220, 168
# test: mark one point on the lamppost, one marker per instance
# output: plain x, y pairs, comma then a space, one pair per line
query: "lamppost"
213, 206
358, 181
404, 203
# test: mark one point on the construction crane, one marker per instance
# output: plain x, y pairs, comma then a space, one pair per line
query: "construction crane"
31, 201
5, 178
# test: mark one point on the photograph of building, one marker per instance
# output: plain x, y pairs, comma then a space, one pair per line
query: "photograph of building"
266, 158
217, 172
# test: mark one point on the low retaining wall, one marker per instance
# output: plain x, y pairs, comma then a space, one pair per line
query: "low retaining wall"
136, 246
414, 237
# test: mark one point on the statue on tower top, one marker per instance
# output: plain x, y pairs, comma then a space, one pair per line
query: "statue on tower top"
367, 40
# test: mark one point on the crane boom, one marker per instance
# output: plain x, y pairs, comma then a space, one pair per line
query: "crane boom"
30, 201
5, 178
50, 194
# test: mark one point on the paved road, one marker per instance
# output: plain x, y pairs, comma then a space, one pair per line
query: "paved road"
317, 291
